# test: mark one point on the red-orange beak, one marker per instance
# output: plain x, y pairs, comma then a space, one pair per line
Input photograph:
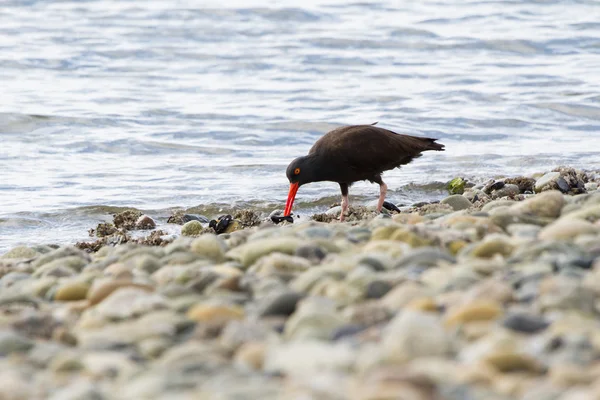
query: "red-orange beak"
290, 200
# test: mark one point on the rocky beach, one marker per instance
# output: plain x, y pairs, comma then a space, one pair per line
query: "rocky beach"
491, 293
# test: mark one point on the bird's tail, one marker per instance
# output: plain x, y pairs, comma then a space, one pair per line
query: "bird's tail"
430, 144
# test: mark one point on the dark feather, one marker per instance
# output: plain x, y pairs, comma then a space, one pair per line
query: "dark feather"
365, 151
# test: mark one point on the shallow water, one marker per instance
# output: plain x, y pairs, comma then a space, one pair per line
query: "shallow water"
160, 104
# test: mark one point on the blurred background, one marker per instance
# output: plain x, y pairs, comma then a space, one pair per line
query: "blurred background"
165, 104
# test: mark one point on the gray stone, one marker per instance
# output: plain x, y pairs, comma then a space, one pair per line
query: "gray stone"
280, 304
11, 342
547, 182
425, 257
509, 190
457, 202
525, 323
411, 335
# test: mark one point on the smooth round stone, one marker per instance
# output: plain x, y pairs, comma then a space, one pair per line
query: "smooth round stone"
377, 289
145, 262
192, 228
251, 251
547, 182
492, 245
311, 252
525, 323
53, 270
425, 257
479, 310
402, 294
127, 302
314, 318
251, 356
457, 202
588, 213
215, 313
567, 229
283, 303
497, 203
61, 252
11, 342
20, 252
98, 292
547, 204
72, 291
411, 335
209, 246
75, 263
145, 222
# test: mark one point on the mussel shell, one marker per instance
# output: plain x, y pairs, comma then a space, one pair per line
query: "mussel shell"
220, 225
277, 219
390, 206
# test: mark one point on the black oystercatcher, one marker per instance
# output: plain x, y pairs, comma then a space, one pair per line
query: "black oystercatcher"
355, 153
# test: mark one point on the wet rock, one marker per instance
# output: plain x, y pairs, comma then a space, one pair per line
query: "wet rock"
103, 229
145, 222
126, 220
457, 202
525, 323
225, 224
180, 218
547, 182
508, 190
192, 228
524, 184
247, 218
411, 335
456, 186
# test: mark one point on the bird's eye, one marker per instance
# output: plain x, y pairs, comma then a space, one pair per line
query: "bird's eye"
296, 171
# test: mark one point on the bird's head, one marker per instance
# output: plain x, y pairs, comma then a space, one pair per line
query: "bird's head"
298, 173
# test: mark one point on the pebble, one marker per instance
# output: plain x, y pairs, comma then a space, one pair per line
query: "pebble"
525, 323
209, 246
457, 202
98, 292
493, 299
547, 182
568, 229
412, 334
481, 310
72, 291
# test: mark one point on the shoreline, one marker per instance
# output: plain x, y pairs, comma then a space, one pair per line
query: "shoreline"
493, 292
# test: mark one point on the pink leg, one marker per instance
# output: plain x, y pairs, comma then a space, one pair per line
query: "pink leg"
345, 205
382, 193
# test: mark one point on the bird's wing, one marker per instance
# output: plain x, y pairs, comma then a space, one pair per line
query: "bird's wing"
371, 150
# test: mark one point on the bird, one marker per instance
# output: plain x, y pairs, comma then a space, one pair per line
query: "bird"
354, 153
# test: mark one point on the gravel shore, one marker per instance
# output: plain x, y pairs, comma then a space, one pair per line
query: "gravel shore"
492, 293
